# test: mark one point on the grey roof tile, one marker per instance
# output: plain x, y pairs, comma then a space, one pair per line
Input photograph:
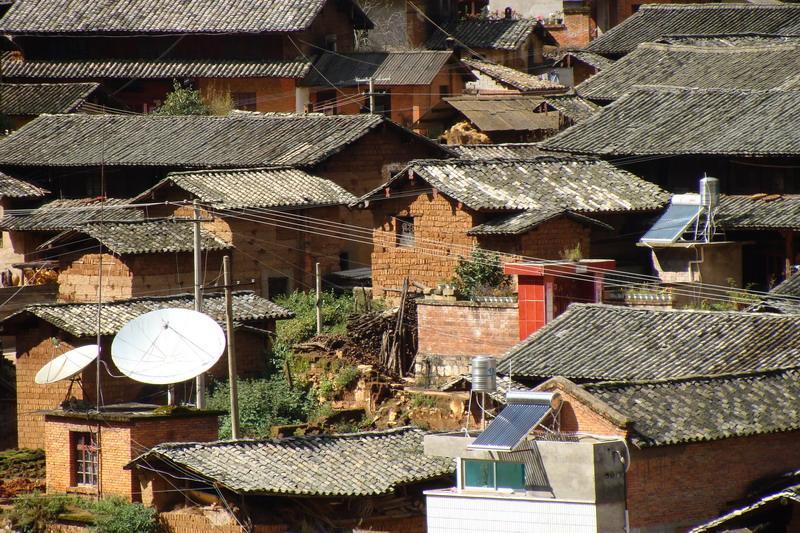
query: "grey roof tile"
237, 140
713, 65
759, 212
497, 151
730, 520
494, 34
572, 106
699, 409
418, 67
356, 464
80, 319
605, 342
512, 78
519, 223
11, 187
655, 21
165, 16
256, 187
80, 69
65, 214
684, 121
39, 98
543, 183
594, 60
142, 237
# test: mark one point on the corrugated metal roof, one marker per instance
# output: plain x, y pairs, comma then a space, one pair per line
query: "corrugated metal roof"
166, 16
505, 113
387, 68
39, 98
257, 187
81, 69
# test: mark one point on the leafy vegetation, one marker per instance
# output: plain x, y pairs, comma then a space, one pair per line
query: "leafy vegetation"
335, 311
183, 101
479, 273
115, 515
263, 403
734, 300
572, 254
424, 400
22, 463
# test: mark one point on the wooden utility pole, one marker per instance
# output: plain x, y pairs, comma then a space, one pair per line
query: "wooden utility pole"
371, 93
232, 374
200, 382
318, 302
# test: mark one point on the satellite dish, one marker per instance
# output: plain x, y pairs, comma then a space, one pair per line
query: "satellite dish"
168, 346
67, 365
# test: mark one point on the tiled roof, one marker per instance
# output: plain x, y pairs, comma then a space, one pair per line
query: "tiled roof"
355, 464
606, 342
165, 16
418, 67
146, 237
519, 223
678, 411
58, 215
682, 121
547, 182
504, 113
80, 69
716, 65
495, 34
257, 187
655, 21
80, 319
238, 140
497, 151
759, 212
737, 517
504, 385
788, 287
783, 298
594, 60
11, 187
510, 77
572, 106
39, 98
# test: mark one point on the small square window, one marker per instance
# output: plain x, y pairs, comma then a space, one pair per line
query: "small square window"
244, 101
277, 287
405, 231
493, 475
84, 463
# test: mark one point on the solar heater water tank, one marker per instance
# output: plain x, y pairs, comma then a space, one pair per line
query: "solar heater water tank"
484, 374
709, 193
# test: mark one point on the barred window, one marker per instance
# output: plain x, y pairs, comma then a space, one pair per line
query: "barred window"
85, 463
405, 231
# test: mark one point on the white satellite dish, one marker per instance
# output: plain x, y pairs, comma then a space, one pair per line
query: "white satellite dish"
168, 346
67, 365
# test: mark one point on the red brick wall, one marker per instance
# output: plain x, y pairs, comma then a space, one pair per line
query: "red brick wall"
689, 484
464, 328
119, 443
576, 32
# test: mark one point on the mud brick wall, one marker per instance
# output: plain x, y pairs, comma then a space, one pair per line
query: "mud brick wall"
437, 219
119, 443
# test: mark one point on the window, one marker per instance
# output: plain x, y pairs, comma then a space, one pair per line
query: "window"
444, 90
405, 231
493, 475
383, 103
84, 464
326, 102
330, 42
277, 287
244, 101
344, 261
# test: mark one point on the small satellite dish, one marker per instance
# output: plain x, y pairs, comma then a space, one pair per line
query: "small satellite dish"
168, 346
67, 365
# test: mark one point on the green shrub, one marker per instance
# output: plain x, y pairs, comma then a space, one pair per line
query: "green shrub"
115, 515
33, 513
263, 403
424, 400
346, 377
335, 311
22, 462
483, 270
183, 101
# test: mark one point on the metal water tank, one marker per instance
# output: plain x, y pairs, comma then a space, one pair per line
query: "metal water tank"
484, 374
709, 192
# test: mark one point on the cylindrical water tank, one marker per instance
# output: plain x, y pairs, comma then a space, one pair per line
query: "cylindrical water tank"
484, 374
709, 192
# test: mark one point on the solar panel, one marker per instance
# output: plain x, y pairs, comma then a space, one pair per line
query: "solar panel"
508, 429
673, 223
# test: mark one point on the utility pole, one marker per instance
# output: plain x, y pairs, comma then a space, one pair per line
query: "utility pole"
232, 374
319, 301
371, 93
200, 382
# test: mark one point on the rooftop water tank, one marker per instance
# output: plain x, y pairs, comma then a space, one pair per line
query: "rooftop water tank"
484, 374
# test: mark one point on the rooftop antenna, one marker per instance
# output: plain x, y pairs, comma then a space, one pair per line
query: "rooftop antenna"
168, 346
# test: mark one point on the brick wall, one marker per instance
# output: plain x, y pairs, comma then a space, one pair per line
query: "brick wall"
466, 328
119, 443
577, 30
272, 94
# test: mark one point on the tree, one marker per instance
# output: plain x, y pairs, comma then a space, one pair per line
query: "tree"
183, 101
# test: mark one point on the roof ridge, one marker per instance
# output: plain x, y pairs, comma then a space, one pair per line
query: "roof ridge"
126, 301
619, 383
710, 49
621, 308
720, 6
241, 169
